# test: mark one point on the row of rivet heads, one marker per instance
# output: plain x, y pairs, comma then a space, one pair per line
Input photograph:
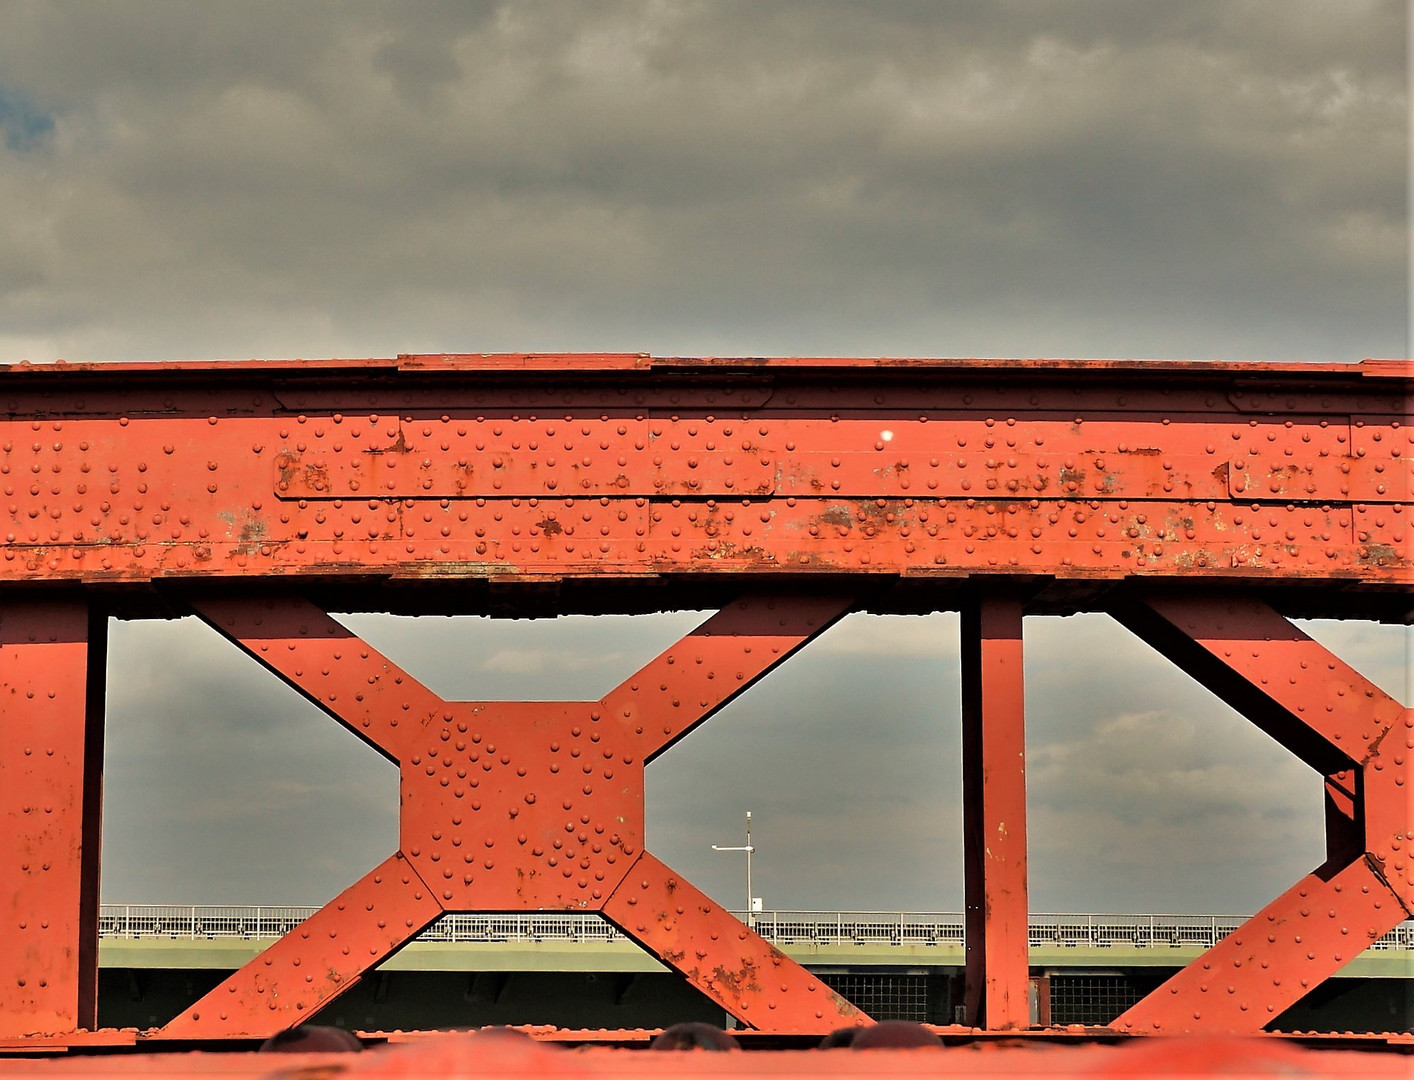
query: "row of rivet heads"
1373, 559
456, 758
856, 475
177, 479
590, 421
588, 520
786, 529
187, 436
603, 517
628, 442
31, 788
43, 835
568, 521
1314, 437
1278, 957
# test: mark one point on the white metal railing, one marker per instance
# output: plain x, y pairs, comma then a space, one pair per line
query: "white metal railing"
783, 927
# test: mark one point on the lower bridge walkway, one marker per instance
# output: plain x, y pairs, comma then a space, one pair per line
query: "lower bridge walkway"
579, 970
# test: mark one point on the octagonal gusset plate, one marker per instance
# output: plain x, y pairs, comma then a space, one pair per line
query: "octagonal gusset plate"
511, 806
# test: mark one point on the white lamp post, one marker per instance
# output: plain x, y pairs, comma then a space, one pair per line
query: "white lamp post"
750, 900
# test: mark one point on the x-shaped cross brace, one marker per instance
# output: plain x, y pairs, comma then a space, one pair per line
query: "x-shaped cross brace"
1349, 730
519, 806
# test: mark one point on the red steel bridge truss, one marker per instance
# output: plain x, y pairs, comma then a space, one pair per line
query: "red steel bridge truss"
1201, 505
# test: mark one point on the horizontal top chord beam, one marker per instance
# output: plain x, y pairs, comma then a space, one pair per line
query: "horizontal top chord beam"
627, 482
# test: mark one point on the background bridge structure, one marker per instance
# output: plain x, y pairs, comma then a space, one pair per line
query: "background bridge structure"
1202, 505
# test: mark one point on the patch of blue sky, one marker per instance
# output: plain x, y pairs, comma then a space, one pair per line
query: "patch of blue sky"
23, 124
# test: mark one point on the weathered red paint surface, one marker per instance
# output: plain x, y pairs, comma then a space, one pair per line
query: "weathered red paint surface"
508, 467
1344, 725
994, 814
804, 487
517, 806
50, 780
451, 1056
747, 976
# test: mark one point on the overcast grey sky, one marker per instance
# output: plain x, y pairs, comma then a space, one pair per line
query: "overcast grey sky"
1221, 179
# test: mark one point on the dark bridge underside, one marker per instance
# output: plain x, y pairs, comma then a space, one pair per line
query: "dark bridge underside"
1200, 504
534, 598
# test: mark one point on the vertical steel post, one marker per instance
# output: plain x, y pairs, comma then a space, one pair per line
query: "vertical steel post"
750, 896
52, 660
994, 814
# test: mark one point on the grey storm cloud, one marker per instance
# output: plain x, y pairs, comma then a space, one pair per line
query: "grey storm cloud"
1216, 178
1206, 179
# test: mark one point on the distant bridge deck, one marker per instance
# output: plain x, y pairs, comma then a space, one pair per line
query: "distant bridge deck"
217, 937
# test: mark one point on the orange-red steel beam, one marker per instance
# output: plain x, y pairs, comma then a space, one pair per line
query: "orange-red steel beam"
340, 673
513, 805
613, 468
757, 983
998, 987
318, 960
1319, 707
624, 482
685, 685
51, 775
607, 1055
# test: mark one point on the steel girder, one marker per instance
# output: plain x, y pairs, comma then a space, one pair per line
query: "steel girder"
1345, 727
997, 487
518, 806
996, 926
579, 470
